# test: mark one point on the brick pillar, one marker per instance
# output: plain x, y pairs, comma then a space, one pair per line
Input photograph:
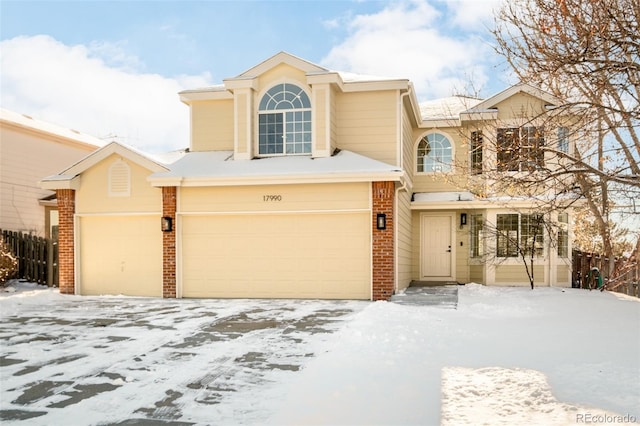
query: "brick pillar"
66, 260
169, 243
383, 266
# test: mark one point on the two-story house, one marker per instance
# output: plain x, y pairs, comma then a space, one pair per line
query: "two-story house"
299, 182
29, 149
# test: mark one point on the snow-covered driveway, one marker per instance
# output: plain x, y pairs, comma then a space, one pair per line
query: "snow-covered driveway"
504, 356
89, 360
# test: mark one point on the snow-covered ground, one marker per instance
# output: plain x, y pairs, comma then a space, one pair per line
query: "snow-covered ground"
504, 356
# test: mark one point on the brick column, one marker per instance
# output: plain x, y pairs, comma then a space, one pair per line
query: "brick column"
66, 257
169, 243
383, 266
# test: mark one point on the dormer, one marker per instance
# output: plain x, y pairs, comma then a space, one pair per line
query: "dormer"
277, 108
286, 106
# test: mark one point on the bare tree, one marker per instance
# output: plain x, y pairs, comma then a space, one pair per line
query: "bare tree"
587, 53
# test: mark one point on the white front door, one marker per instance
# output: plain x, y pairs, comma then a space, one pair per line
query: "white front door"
436, 248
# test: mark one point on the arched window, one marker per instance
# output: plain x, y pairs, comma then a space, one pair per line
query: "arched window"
434, 153
284, 121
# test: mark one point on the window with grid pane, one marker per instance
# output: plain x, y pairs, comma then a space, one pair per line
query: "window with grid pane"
519, 232
284, 121
520, 149
563, 235
531, 234
434, 153
507, 235
476, 152
476, 230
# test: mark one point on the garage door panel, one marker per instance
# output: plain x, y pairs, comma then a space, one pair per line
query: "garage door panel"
277, 255
120, 255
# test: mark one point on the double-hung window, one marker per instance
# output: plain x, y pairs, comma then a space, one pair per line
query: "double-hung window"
284, 121
476, 152
476, 230
519, 233
563, 235
520, 149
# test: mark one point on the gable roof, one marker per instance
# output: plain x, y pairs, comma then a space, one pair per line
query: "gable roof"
282, 58
68, 178
63, 134
493, 101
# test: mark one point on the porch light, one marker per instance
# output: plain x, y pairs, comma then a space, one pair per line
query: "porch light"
381, 221
463, 219
167, 224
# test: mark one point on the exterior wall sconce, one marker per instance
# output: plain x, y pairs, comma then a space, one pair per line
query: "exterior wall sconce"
381, 221
463, 219
167, 224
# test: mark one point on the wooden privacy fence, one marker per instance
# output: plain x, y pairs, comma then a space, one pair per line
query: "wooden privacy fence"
37, 257
626, 273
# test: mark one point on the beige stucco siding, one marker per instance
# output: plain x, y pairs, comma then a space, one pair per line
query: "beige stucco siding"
461, 244
564, 274
212, 125
280, 74
520, 107
310, 197
404, 242
517, 274
94, 194
476, 273
306, 255
119, 255
367, 123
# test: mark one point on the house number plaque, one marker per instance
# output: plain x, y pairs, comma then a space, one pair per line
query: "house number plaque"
269, 198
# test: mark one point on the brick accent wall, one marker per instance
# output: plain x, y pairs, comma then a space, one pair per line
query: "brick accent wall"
66, 258
169, 243
383, 267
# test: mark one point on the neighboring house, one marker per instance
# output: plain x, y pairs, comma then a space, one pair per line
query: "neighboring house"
30, 149
299, 182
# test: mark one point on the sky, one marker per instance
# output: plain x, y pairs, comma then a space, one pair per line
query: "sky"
113, 69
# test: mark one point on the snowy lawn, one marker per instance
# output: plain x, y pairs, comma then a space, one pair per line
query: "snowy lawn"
504, 356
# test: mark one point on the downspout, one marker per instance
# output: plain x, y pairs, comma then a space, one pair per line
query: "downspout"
402, 187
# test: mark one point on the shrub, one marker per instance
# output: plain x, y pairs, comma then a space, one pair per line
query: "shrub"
8, 263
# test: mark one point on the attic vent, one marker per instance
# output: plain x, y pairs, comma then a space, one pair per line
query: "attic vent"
119, 179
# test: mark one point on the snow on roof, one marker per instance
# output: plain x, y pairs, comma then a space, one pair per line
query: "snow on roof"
422, 197
220, 164
29, 122
350, 77
447, 108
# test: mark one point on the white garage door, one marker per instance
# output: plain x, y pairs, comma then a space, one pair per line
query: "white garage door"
120, 255
277, 255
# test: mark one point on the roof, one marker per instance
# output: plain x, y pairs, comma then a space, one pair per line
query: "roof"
219, 168
68, 177
447, 108
493, 101
30, 123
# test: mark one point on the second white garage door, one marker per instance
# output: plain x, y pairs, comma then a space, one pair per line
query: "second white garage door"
280, 255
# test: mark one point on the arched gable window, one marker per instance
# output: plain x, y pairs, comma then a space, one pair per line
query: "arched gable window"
284, 121
434, 153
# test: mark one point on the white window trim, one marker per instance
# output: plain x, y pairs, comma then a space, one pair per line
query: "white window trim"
453, 153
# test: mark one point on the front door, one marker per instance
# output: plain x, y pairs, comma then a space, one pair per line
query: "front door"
436, 250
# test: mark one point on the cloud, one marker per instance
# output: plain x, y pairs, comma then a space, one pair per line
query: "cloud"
436, 48
95, 89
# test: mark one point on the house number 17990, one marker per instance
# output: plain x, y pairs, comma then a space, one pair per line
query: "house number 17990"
267, 198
